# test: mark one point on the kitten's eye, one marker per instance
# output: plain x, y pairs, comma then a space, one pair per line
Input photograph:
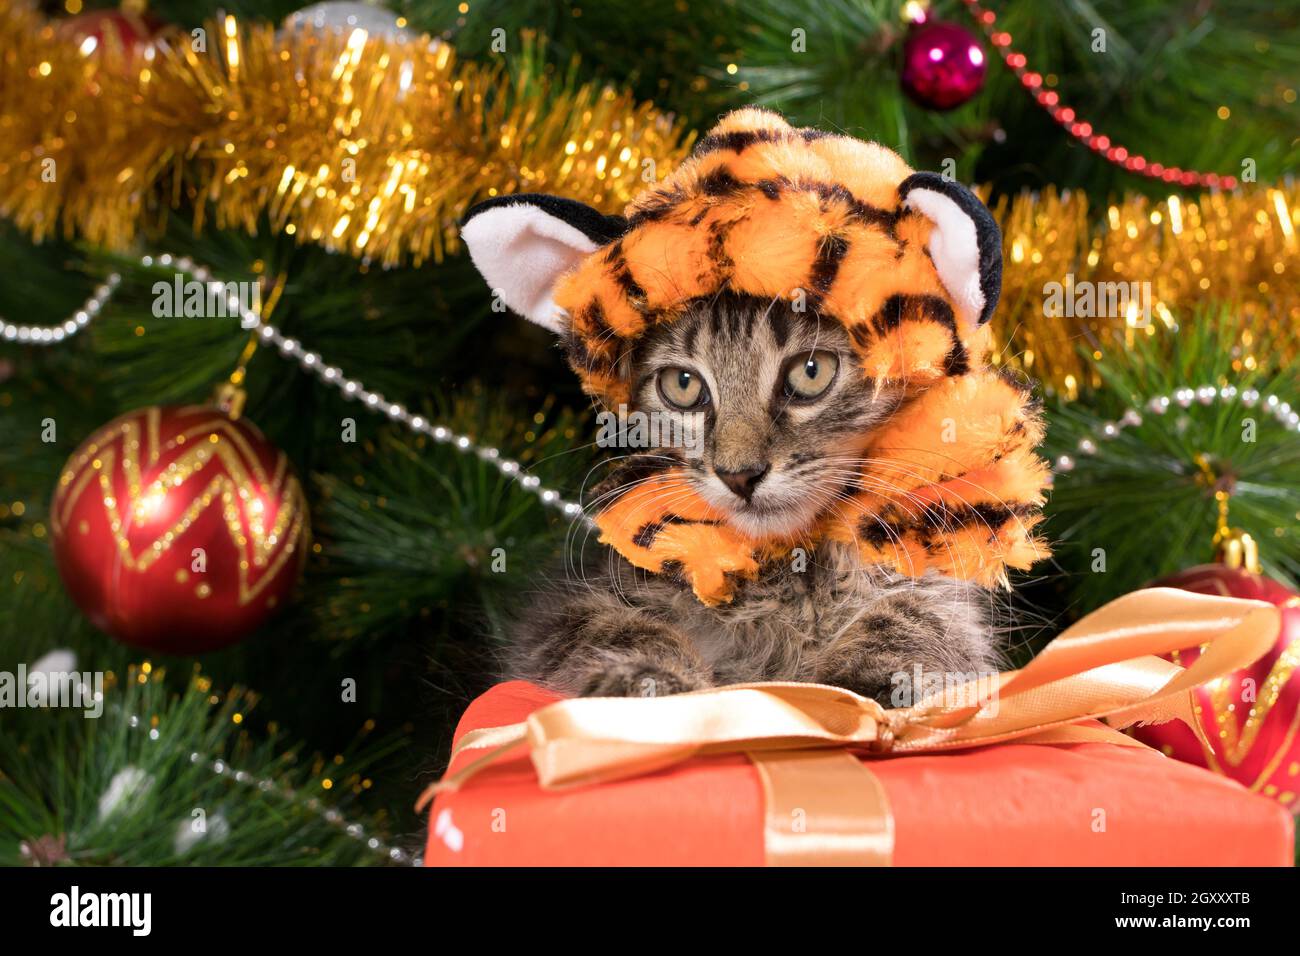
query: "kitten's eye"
807, 376
682, 388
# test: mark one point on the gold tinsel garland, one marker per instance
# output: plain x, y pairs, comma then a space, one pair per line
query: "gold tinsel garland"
365, 145
1237, 250
375, 147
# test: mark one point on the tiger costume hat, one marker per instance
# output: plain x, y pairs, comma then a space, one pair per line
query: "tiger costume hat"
909, 263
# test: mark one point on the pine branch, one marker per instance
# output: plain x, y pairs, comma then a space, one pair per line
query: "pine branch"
420, 530
1142, 498
164, 780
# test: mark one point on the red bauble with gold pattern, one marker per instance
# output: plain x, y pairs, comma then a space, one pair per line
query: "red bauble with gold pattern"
179, 529
1252, 717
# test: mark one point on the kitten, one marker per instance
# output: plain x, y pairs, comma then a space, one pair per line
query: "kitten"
784, 412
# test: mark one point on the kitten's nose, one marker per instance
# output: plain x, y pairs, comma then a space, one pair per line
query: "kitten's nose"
744, 481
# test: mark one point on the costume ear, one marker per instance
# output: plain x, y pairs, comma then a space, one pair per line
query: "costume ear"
523, 244
965, 244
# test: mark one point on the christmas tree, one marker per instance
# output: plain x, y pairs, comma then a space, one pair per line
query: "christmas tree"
424, 456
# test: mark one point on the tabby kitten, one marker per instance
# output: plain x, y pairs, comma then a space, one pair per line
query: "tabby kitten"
784, 412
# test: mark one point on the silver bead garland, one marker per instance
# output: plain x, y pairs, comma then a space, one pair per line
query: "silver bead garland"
352, 389
1184, 397
331, 815
52, 334
310, 362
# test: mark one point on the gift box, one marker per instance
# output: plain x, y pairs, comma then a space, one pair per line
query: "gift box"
1023, 775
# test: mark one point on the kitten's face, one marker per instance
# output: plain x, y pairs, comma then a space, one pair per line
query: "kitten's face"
779, 405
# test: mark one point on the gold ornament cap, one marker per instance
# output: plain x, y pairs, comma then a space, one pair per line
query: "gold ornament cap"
230, 399
1232, 546
1238, 549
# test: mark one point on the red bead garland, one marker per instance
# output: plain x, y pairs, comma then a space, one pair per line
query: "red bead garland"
1078, 128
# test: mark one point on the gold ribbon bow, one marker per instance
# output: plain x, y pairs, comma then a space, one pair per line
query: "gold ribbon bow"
803, 737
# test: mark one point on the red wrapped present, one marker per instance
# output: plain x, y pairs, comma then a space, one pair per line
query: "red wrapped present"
1020, 773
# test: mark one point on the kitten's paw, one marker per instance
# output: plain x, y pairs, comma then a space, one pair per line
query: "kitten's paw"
640, 680
878, 686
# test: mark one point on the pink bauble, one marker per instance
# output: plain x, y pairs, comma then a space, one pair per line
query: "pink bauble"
943, 65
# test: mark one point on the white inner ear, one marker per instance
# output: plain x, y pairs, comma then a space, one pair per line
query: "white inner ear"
955, 249
522, 251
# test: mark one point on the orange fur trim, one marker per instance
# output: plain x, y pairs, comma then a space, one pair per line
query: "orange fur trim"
952, 484
751, 214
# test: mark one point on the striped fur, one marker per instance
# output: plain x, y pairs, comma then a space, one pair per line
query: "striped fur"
908, 490
950, 483
815, 221
822, 613
768, 210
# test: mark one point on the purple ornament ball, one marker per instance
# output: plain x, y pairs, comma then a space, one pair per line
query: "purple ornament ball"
943, 65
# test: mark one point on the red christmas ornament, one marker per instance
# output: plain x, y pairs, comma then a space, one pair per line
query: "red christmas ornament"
131, 32
1252, 716
943, 65
179, 529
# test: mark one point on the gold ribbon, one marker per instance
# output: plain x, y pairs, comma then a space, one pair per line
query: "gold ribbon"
823, 805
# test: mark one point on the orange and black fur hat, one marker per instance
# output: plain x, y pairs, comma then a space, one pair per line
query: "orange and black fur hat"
910, 263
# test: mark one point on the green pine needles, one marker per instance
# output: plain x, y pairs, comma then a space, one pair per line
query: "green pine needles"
1143, 503
175, 779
